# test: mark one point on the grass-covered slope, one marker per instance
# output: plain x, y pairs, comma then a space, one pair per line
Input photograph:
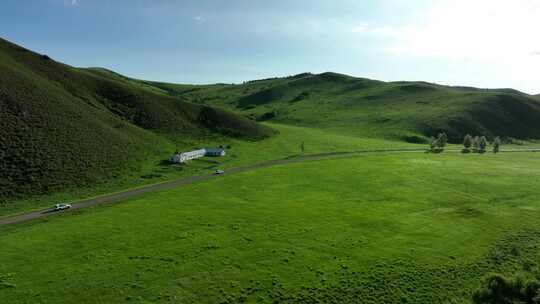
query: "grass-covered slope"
63, 126
364, 107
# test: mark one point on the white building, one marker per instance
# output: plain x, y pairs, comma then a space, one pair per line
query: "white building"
176, 158
185, 156
215, 152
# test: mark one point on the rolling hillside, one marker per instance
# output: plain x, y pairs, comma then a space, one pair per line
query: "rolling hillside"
62, 126
397, 110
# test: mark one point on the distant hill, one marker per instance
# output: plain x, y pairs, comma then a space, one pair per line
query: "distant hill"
62, 126
409, 111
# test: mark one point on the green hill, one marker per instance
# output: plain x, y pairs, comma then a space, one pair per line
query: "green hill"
62, 126
397, 110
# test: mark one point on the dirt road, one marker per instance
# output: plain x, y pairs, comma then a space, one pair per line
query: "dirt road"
121, 196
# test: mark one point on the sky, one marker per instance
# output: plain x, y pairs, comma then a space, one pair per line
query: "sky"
481, 43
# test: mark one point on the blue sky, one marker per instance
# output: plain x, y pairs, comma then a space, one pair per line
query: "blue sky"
483, 43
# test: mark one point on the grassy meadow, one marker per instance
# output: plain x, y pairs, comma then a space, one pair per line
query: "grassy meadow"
407, 228
153, 168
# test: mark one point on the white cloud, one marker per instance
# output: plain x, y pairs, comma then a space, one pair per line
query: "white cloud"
500, 36
200, 19
72, 2
358, 29
389, 32
480, 29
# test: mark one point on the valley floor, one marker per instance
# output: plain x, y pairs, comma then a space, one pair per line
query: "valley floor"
395, 228
286, 143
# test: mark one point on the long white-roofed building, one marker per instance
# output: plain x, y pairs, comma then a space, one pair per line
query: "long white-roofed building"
185, 156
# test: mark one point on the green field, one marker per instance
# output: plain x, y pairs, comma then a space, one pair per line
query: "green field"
400, 228
153, 168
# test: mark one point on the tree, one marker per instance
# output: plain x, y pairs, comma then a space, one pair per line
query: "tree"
482, 144
496, 144
443, 139
433, 144
436, 145
476, 144
467, 143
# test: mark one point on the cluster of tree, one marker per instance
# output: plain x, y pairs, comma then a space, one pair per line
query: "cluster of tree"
436, 145
478, 144
497, 289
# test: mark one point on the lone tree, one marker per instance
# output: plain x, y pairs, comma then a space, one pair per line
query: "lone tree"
467, 142
436, 145
482, 144
496, 144
442, 139
433, 144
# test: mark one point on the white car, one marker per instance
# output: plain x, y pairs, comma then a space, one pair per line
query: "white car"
59, 207
219, 172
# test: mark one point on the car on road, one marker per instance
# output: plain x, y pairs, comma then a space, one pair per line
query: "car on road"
59, 207
219, 172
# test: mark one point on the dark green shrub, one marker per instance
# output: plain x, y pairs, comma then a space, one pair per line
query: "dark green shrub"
530, 292
414, 139
497, 289
267, 116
